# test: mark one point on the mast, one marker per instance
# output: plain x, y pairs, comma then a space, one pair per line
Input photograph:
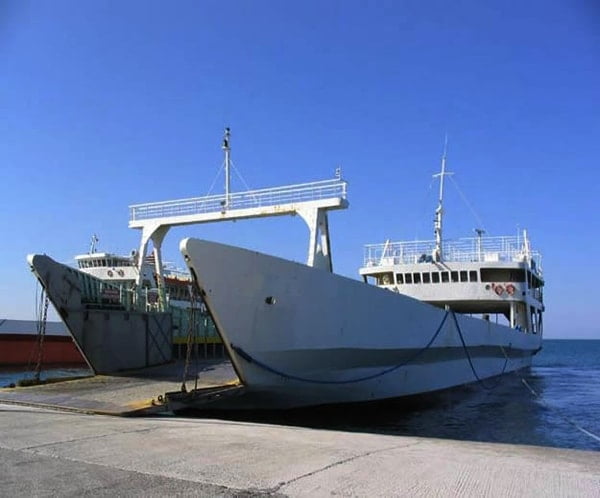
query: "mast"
439, 212
227, 150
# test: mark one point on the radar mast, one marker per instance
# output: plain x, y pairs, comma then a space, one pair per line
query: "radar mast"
439, 212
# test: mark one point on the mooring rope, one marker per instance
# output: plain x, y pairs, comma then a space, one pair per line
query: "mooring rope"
554, 410
466, 349
275, 371
525, 383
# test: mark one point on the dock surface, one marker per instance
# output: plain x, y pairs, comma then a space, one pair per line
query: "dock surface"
126, 394
49, 453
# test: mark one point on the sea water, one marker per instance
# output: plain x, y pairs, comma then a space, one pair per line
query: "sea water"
564, 412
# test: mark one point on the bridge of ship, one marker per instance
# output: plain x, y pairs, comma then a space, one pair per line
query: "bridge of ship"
311, 201
464, 250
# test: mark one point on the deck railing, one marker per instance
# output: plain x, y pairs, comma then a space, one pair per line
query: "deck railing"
241, 200
474, 249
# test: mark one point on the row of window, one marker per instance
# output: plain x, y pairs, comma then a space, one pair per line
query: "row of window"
434, 277
100, 263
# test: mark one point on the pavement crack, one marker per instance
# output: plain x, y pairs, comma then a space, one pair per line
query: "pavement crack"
277, 488
85, 438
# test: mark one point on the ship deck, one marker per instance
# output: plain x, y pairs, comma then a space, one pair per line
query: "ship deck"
141, 392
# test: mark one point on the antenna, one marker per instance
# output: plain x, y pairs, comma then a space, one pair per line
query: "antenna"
226, 147
437, 224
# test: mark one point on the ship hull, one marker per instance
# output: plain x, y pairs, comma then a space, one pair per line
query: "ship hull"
300, 336
109, 337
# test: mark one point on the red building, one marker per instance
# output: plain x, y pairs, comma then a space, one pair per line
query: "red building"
19, 345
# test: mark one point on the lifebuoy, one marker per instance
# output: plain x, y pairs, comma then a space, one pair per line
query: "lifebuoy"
510, 289
110, 273
499, 290
121, 273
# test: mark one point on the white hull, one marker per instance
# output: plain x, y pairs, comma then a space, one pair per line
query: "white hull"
330, 339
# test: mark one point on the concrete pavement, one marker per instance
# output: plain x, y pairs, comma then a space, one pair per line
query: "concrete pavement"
46, 452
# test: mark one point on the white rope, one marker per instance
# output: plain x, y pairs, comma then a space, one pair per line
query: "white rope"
465, 200
215, 179
242, 179
239, 175
567, 419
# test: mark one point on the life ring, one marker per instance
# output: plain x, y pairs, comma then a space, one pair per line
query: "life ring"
110, 273
510, 289
121, 273
499, 290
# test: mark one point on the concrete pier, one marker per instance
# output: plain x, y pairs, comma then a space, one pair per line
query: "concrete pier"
126, 394
48, 453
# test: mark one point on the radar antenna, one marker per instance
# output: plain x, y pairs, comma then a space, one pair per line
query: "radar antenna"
93, 243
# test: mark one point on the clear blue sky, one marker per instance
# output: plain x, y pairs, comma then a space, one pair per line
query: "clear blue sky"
109, 103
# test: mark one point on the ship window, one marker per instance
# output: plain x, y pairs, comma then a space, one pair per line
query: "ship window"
417, 278
473, 275
502, 275
454, 276
445, 276
464, 276
534, 281
385, 278
400, 278
426, 278
408, 278
435, 277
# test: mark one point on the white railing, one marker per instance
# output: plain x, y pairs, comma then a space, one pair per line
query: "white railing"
486, 249
289, 194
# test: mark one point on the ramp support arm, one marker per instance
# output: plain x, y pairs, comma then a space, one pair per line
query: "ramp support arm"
319, 249
157, 234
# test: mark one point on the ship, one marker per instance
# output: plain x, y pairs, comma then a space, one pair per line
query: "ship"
427, 316
127, 272
120, 314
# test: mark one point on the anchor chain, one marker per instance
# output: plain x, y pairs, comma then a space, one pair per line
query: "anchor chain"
41, 335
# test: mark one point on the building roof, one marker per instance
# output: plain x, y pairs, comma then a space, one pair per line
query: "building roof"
27, 327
